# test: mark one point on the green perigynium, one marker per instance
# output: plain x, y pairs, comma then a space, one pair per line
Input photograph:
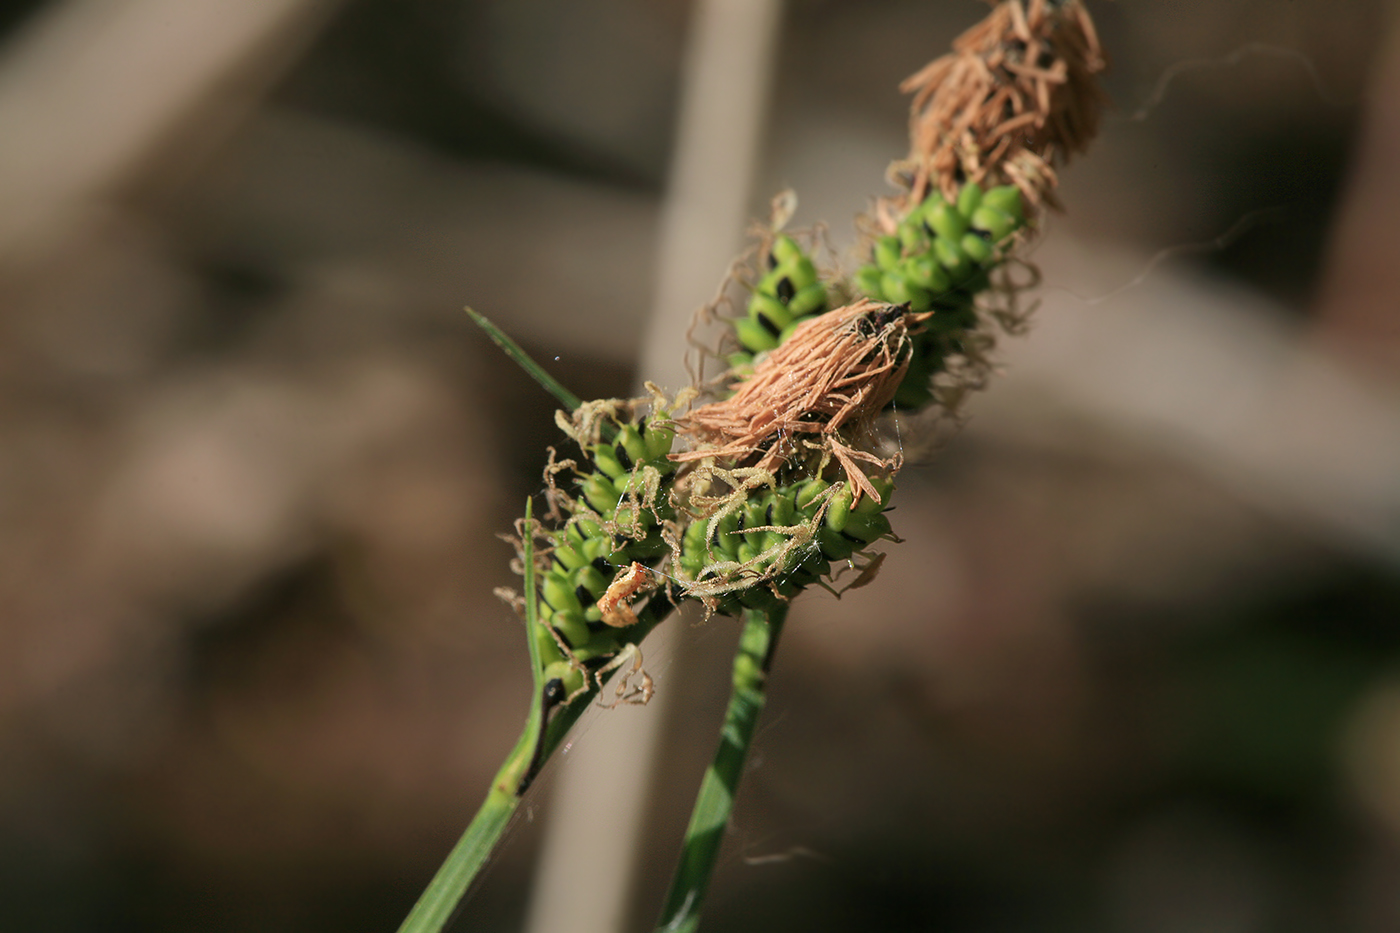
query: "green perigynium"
788, 293
938, 260
617, 515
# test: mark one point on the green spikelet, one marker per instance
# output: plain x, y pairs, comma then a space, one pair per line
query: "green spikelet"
938, 261
617, 518
787, 294
776, 544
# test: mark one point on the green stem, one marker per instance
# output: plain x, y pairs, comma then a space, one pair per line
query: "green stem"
545, 728
715, 802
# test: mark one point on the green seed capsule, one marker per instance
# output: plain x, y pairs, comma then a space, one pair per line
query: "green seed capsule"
867, 505
658, 443
601, 493
997, 224
754, 335
808, 300
574, 627
634, 482
944, 219
570, 677
868, 281
808, 492
754, 517
598, 547
920, 271
784, 509
771, 540
694, 555
771, 308
833, 546
867, 527
941, 281
591, 580
839, 510
977, 249
723, 539
544, 639
912, 238
969, 198
585, 529
887, 253
631, 440
951, 257
606, 459
568, 556
801, 273
1007, 199
893, 288
769, 284
920, 299
559, 593
785, 249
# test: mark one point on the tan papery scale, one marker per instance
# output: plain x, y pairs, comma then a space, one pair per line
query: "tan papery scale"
815, 394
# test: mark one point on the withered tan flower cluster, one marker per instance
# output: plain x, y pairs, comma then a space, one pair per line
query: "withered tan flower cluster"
1017, 96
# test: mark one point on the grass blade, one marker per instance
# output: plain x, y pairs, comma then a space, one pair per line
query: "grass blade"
439, 900
513, 350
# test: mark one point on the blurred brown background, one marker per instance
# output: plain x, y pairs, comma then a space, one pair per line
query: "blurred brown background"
1136, 668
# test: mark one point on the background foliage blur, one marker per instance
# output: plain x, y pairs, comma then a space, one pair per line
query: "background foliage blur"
1136, 667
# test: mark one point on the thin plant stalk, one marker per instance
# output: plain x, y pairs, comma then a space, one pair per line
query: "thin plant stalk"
440, 899
545, 729
715, 802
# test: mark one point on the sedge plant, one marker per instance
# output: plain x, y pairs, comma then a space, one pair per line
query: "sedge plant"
741, 494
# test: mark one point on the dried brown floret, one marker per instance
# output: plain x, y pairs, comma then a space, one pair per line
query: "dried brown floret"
1016, 96
814, 395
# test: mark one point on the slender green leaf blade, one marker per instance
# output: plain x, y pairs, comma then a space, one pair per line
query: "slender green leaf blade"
513, 350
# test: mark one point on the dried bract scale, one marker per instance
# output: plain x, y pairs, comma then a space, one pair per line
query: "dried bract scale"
1017, 96
813, 396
